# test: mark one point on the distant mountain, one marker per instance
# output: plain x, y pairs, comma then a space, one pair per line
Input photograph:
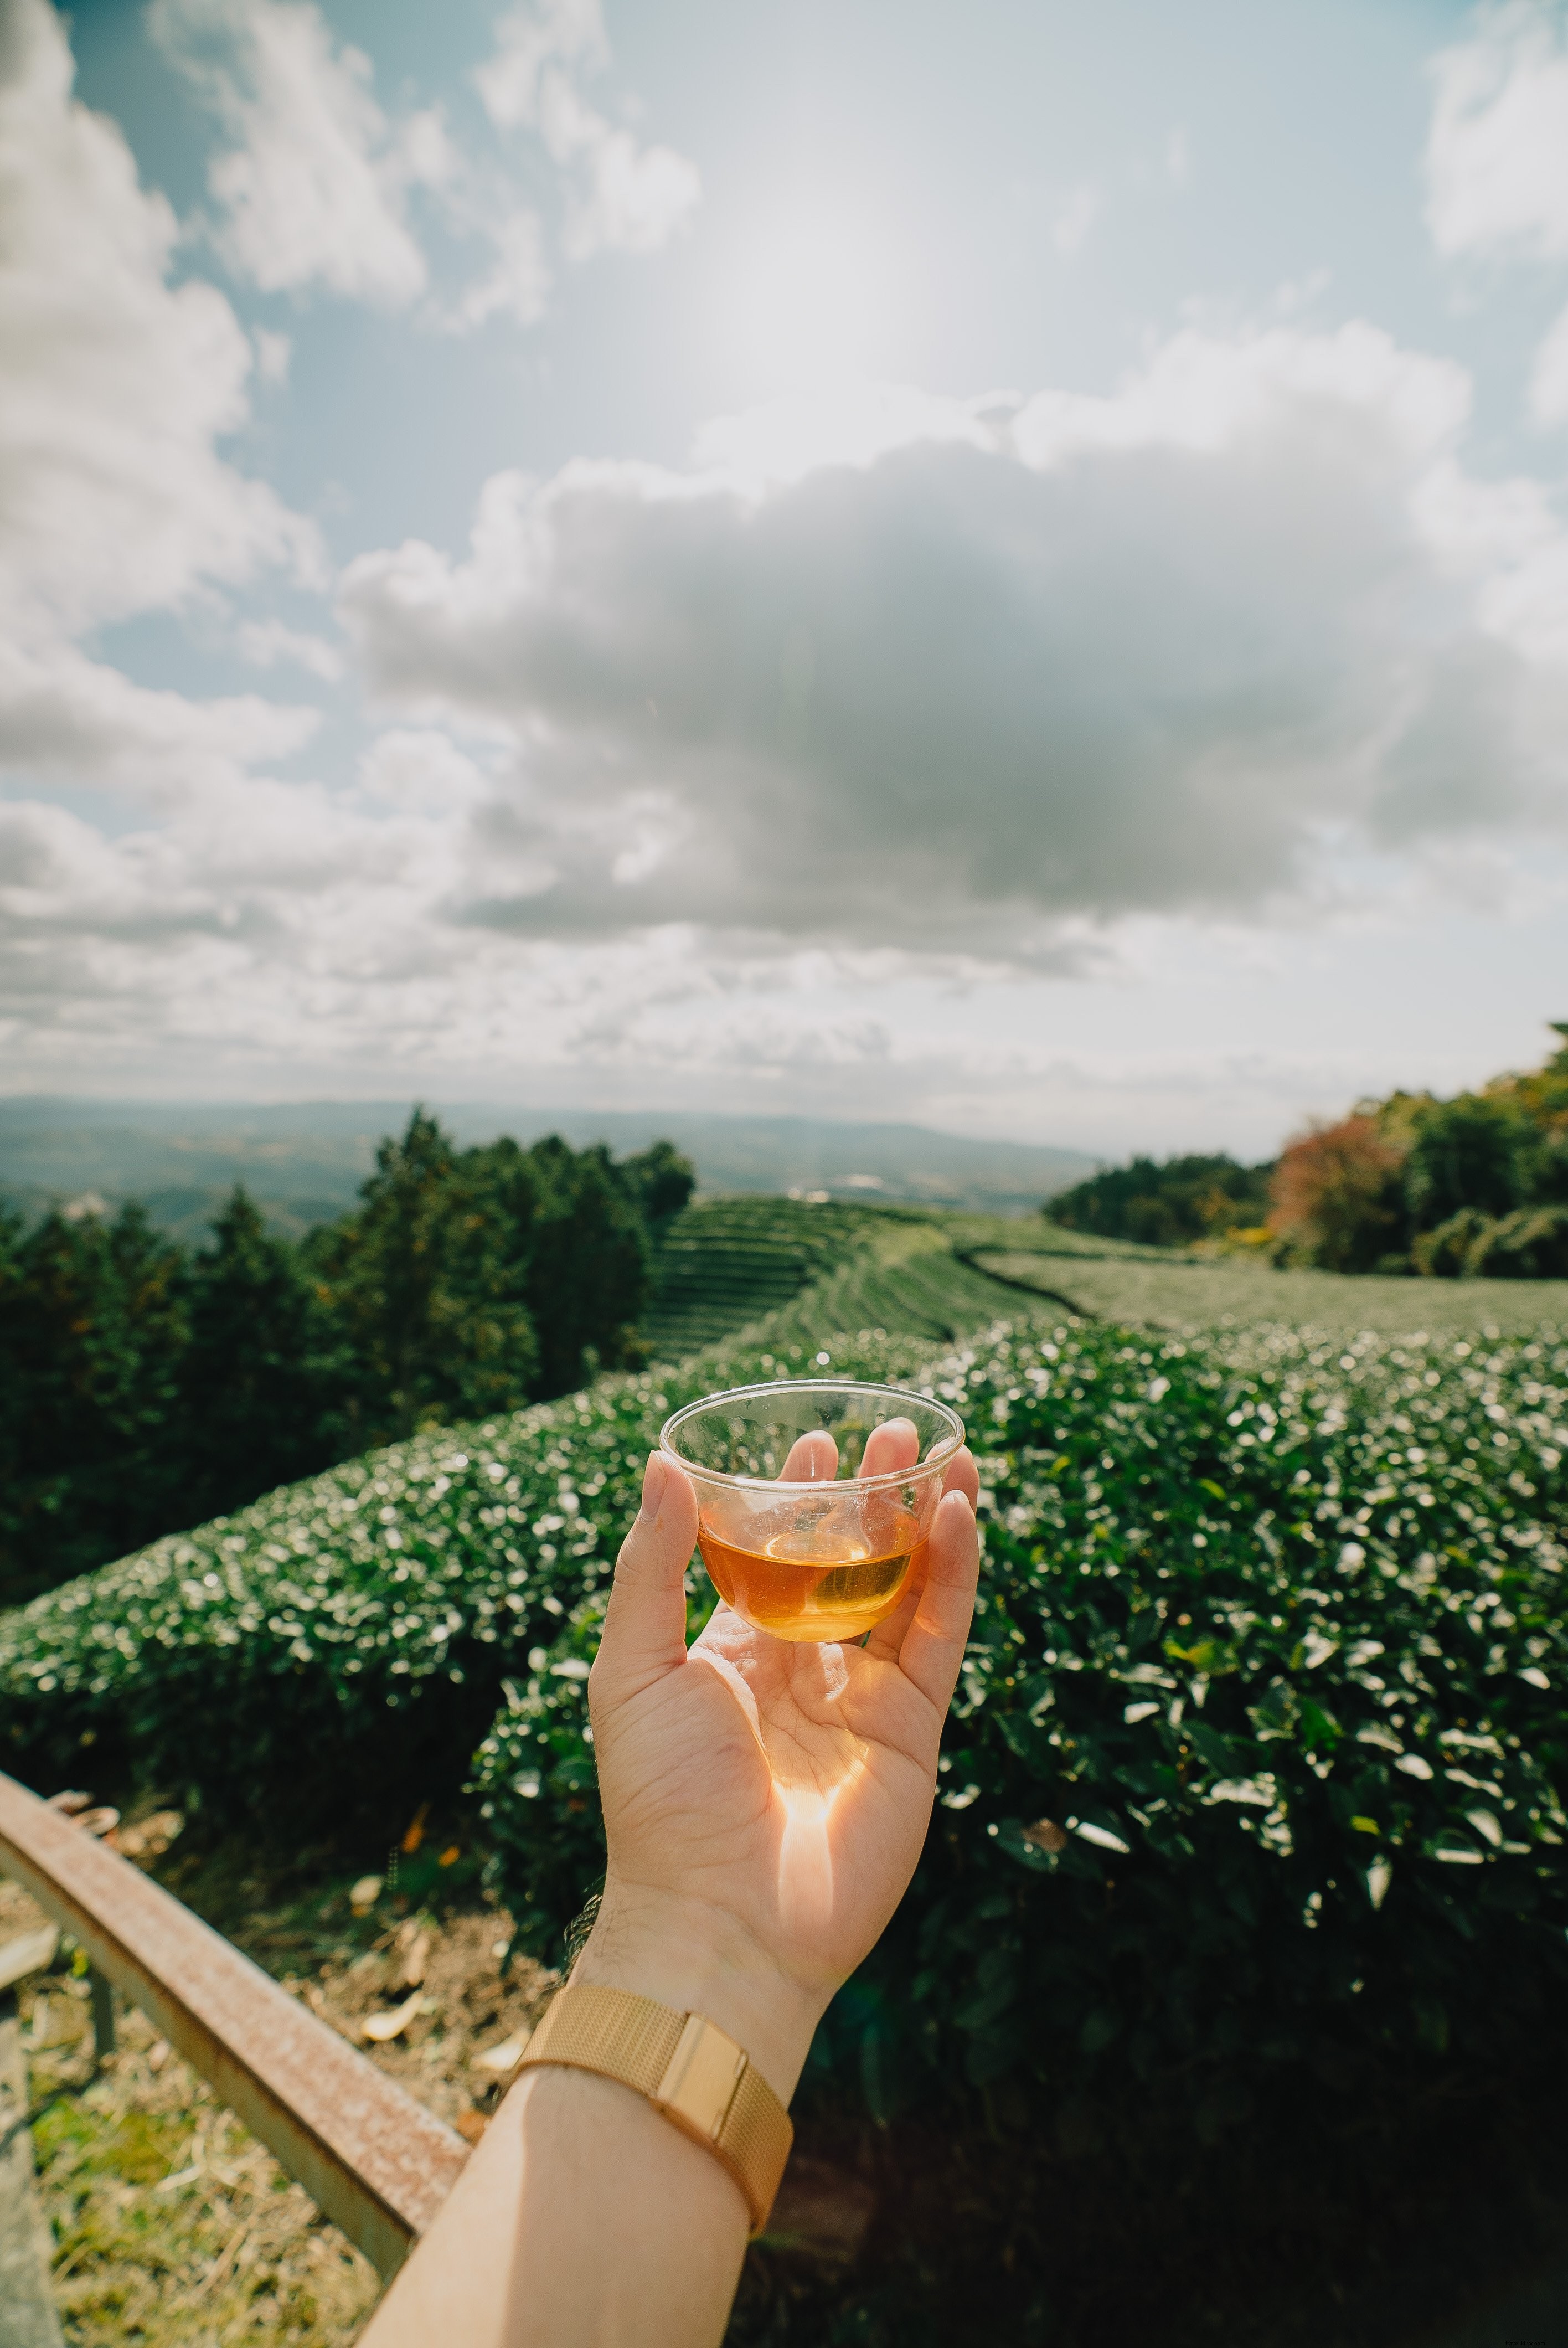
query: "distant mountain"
304, 1161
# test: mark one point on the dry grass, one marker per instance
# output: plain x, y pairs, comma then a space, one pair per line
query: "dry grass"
173, 2227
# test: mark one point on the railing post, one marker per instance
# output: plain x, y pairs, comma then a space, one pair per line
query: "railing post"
103, 2015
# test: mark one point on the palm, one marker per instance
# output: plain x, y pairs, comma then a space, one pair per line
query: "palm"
788, 1786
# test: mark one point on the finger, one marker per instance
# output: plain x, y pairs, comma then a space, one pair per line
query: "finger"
645, 1628
892, 1446
933, 1645
887, 1638
963, 1476
812, 1459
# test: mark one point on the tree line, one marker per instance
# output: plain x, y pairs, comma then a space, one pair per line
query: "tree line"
1476, 1185
146, 1386
1168, 1204
1473, 1187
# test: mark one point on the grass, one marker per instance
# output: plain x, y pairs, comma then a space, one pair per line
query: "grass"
1186, 1294
171, 2223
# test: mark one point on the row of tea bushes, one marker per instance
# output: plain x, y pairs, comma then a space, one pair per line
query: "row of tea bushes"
1250, 1824
361, 1621
1251, 1797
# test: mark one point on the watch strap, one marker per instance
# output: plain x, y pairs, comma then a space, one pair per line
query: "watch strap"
688, 2069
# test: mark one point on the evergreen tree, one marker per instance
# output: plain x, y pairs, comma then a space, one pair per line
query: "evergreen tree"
591, 1266
258, 1370
427, 1284
92, 1326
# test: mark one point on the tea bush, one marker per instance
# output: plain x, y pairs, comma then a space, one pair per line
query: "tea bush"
358, 1624
1250, 1830
1246, 1894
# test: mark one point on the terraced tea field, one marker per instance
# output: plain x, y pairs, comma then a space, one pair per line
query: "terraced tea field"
729, 1263
1159, 1291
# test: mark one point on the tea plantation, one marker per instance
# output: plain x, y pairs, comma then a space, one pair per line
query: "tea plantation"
1227, 2000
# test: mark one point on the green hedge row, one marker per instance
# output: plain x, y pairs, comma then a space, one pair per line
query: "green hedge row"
1250, 1842
1283, 1640
362, 1621
1249, 1846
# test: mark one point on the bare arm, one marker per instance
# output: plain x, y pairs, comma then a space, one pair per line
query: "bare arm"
764, 1808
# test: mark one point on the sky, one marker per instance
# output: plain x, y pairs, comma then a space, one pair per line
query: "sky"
1003, 566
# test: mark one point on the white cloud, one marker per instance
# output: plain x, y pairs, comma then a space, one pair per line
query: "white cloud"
517, 283
1496, 180
312, 188
1549, 377
115, 387
419, 767
265, 643
65, 718
1159, 651
622, 195
116, 390
1497, 158
274, 352
1075, 218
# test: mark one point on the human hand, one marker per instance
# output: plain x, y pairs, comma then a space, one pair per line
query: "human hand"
765, 1802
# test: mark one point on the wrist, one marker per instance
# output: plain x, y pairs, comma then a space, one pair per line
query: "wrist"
702, 1959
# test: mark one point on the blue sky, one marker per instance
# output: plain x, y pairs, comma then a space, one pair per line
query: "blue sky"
1002, 565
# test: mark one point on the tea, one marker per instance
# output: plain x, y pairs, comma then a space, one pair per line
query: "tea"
825, 1570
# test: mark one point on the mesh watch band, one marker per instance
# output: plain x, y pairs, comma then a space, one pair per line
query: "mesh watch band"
686, 2067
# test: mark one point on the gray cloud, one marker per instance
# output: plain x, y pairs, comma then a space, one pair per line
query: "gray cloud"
1139, 655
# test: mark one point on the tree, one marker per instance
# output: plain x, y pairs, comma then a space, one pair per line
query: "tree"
428, 1282
1336, 1195
259, 1369
1463, 1153
661, 1181
1164, 1205
92, 1324
592, 1264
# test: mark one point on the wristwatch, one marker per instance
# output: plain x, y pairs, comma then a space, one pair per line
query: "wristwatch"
688, 2069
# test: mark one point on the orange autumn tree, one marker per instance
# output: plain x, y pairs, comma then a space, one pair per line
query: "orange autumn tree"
1336, 1195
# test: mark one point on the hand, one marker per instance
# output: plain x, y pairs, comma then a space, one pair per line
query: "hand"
765, 1803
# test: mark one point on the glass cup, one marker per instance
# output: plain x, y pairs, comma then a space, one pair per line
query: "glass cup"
796, 1535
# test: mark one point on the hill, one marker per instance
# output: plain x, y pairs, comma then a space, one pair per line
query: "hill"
304, 1161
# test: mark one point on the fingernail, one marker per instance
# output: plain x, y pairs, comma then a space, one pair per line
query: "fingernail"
653, 1484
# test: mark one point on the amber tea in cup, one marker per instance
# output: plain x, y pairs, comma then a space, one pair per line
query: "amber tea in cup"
814, 1498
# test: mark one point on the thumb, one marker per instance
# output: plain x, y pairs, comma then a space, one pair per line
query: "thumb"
645, 1626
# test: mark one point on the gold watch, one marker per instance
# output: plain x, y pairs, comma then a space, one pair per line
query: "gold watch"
688, 2069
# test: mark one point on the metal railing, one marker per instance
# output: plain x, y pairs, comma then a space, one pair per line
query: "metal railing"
375, 2161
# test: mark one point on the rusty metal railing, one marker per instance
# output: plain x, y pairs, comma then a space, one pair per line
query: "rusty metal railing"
375, 2161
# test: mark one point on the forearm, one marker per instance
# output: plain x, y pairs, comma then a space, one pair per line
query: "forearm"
583, 2220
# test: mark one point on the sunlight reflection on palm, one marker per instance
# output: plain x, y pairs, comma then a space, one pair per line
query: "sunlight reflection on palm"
794, 1782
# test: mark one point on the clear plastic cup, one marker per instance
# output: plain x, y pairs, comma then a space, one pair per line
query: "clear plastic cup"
794, 1535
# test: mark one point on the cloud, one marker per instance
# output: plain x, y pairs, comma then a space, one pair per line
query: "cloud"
1495, 175
65, 718
311, 189
316, 185
116, 390
1075, 218
1497, 183
621, 196
115, 387
264, 643
1549, 377
419, 767
517, 283
1155, 652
